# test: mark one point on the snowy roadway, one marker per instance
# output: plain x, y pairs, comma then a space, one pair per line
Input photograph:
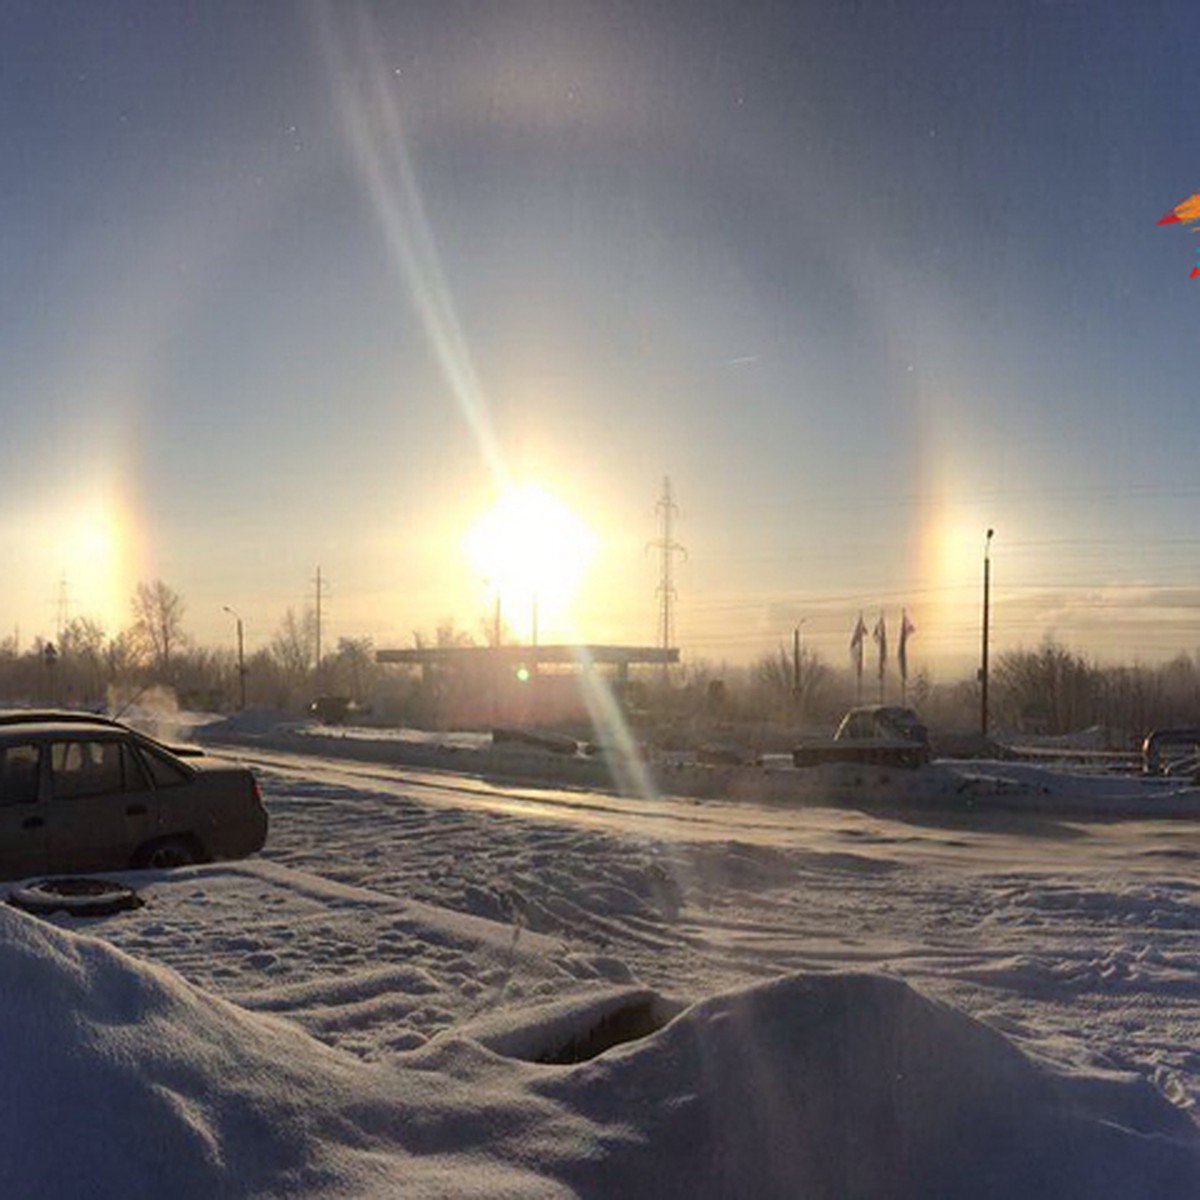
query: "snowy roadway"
1077, 939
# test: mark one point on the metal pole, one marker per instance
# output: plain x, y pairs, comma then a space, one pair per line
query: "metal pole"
241, 665
983, 668
796, 662
318, 662
241, 644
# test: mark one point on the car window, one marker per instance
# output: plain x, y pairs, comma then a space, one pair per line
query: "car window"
19, 774
134, 775
162, 770
81, 768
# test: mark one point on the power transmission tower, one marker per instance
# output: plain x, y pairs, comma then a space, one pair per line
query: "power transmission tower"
321, 586
667, 548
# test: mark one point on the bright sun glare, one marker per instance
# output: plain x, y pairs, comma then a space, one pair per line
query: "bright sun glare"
530, 547
94, 546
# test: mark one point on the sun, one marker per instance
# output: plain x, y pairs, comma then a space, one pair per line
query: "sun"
531, 550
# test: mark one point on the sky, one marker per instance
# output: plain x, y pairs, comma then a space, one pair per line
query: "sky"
292, 285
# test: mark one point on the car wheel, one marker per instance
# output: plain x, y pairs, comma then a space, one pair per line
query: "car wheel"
167, 853
78, 897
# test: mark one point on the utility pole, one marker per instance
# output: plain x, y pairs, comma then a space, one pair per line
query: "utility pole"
62, 608
241, 644
667, 548
797, 690
983, 668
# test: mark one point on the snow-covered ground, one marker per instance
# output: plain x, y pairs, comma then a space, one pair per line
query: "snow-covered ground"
880, 998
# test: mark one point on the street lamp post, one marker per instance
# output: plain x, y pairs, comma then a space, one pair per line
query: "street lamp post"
796, 648
241, 658
983, 666
50, 659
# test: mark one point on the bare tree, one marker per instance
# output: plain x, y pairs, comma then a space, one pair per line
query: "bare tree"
447, 634
1049, 690
121, 656
158, 622
353, 668
778, 689
294, 643
81, 650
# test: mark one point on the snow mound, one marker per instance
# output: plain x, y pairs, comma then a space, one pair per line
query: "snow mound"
123, 1080
856, 1085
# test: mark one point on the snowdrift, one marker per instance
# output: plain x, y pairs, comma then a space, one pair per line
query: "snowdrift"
856, 1085
979, 786
123, 1080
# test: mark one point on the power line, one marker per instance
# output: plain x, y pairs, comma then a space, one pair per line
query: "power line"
982, 496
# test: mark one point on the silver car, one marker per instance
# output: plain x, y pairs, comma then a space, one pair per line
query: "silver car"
878, 734
82, 794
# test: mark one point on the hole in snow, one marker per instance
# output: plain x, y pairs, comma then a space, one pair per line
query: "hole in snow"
629, 1023
575, 1029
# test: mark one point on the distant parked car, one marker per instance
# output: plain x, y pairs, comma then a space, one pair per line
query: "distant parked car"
882, 734
94, 795
332, 710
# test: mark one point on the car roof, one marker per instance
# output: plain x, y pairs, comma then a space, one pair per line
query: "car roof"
41, 716
19, 723
15, 731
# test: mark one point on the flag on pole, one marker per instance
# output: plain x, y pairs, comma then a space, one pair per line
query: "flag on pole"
1188, 212
907, 629
880, 636
856, 646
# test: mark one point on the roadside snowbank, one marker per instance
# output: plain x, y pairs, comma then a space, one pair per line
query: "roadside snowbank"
123, 1080
966, 786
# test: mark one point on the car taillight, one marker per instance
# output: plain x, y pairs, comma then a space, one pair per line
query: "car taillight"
255, 791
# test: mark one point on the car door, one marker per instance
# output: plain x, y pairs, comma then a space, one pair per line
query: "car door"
180, 810
102, 806
23, 828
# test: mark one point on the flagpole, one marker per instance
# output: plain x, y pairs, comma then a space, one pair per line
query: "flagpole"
983, 668
856, 650
880, 636
906, 629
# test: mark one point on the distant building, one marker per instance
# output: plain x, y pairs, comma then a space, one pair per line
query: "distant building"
480, 685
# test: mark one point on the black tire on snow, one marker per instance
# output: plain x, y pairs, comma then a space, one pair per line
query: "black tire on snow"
166, 854
77, 897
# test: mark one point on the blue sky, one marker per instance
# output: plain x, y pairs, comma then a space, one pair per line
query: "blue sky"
284, 283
